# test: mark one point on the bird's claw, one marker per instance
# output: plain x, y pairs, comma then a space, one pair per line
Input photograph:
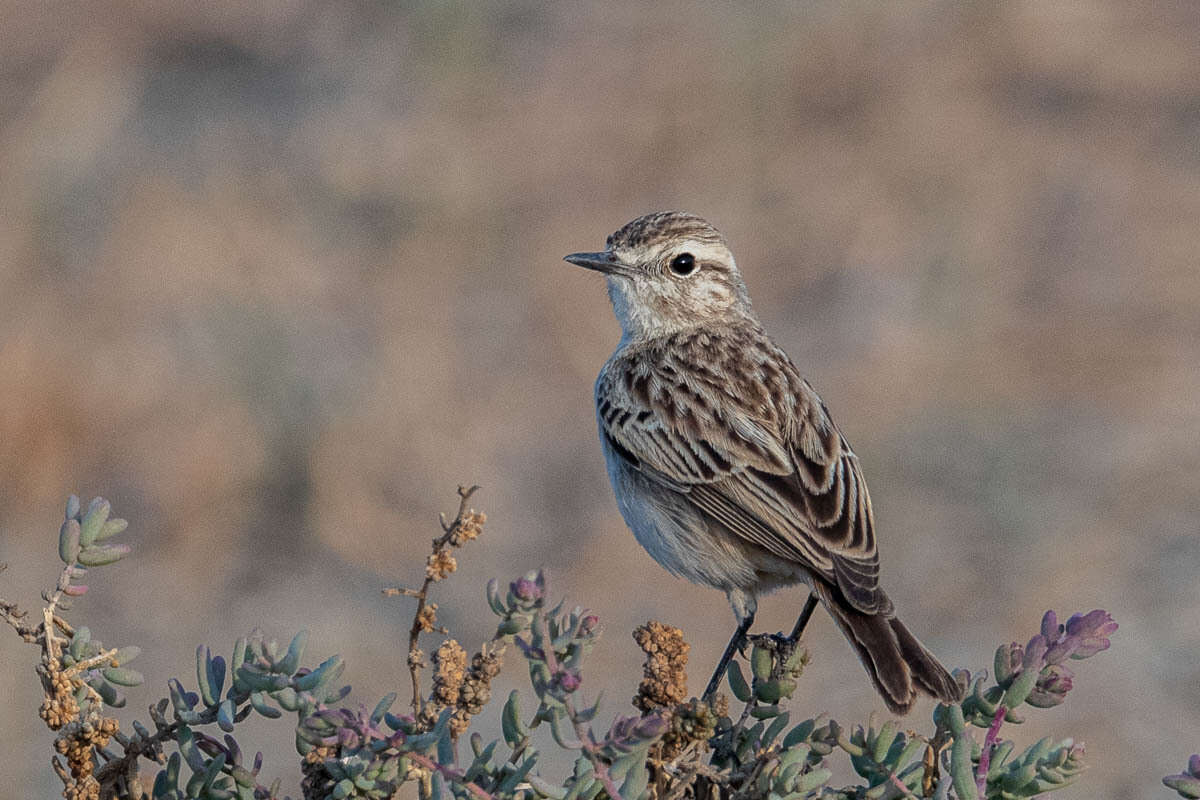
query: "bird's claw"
772, 641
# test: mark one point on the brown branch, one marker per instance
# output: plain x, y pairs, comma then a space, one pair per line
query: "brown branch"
12, 614
108, 774
82, 737
414, 652
106, 658
400, 591
685, 768
15, 617
61, 771
51, 643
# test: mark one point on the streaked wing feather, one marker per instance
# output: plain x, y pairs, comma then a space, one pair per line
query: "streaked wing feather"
786, 481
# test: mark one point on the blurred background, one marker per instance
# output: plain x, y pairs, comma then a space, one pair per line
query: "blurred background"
275, 278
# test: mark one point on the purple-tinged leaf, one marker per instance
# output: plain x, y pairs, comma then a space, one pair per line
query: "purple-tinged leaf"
1050, 626
1035, 654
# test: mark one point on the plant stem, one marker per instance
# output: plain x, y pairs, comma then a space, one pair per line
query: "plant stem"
449, 774
422, 595
985, 755
591, 748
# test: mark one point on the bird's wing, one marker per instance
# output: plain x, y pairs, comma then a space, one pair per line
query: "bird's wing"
778, 474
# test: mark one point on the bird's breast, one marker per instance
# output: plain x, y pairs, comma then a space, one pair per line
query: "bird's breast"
673, 532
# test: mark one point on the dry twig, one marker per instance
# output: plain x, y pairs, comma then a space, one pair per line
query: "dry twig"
441, 563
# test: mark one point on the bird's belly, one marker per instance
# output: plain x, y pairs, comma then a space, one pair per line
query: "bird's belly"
675, 534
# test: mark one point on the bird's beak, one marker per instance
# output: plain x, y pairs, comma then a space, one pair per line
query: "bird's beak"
604, 262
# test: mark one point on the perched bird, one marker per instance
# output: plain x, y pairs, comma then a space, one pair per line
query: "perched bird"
725, 462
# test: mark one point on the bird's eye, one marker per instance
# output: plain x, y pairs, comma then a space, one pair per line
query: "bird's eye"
683, 264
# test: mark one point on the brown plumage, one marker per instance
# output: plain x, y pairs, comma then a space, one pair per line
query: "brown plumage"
725, 462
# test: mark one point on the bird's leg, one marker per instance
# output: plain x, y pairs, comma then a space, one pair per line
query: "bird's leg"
809, 606
739, 637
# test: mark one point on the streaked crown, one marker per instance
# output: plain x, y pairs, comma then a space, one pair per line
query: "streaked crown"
663, 227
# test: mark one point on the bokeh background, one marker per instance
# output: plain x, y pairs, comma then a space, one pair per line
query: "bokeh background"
276, 277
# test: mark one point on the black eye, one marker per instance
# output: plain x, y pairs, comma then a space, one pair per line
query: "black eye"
683, 264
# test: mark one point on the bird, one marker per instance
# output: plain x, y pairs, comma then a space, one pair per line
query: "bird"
725, 462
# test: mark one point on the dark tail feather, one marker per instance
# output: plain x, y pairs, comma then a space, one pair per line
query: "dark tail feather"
898, 664
928, 673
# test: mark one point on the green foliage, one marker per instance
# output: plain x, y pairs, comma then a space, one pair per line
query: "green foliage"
83, 649
670, 751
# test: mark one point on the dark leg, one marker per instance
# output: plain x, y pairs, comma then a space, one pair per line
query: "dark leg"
739, 637
809, 606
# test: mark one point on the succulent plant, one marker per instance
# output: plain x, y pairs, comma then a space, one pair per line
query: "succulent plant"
669, 748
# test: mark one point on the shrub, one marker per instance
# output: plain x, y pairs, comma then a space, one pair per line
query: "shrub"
671, 747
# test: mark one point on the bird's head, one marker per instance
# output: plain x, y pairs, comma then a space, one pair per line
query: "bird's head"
668, 271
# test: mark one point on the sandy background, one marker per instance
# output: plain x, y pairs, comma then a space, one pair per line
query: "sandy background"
276, 279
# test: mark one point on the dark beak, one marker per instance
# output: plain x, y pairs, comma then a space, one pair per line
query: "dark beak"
604, 262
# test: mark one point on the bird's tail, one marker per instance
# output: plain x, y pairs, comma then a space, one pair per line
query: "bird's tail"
898, 664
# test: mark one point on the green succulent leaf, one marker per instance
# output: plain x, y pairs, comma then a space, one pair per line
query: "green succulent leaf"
883, 741
69, 541
760, 662
93, 520
126, 654
110, 529
287, 698
259, 701
962, 774
102, 554
225, 715
774, 729
291, 660
123, 677
811, 780
737, 683
512, 726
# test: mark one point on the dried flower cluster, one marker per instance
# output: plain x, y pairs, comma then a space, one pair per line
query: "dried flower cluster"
462, 689
449, 671
664, 687
693, 722
314, 780
427, 618
476, 689
59, 706
664, 673
79, 675
440, 564
465, 690
467, 528
78, 741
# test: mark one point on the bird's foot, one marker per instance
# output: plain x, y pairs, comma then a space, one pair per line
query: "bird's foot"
771, 641
782, 649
